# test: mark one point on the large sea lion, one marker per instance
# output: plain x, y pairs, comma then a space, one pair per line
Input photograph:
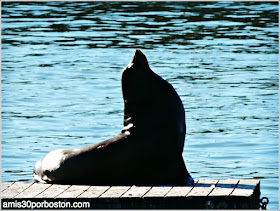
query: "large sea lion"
147, 151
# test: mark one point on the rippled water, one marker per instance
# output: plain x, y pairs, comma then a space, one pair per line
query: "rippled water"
61, 66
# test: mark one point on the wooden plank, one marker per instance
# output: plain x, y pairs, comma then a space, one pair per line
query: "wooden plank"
203, 188
94, 192
15, 189
53, 191
136, 192
206, 194
179, 191
245, 187
33, 190
73, 192
158, 191
115, 192
5, 185
224, 187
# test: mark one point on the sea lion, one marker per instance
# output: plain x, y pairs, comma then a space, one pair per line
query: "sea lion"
147, 151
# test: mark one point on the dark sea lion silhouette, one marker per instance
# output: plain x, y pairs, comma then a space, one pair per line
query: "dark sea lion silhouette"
147, 151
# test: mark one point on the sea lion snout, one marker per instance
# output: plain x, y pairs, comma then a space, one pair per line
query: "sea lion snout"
138, 64
136, 78
140, 59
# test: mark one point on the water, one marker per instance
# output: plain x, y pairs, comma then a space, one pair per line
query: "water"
61, 66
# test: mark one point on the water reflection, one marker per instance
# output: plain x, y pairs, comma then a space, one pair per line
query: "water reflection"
140, 24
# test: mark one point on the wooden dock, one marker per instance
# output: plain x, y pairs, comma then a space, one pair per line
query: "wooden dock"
205, 194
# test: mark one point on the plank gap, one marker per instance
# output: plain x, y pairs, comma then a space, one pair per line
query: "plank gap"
234, 187
62, 191
74, 191
104, 192
7, 184
33, 190
246, 187
224, 187
203, 188
157, 191
180, 191
136, 192
53, 191
83, 192
126, 191
43, 190
23, 189
94, 192
146, 192
168, 191
115, 192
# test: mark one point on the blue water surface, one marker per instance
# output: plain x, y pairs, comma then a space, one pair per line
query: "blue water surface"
61, 69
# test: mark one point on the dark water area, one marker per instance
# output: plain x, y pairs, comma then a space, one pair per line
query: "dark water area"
61, 68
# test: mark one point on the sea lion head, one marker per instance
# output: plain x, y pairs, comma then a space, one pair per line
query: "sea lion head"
136, 79
140, 85
150, 102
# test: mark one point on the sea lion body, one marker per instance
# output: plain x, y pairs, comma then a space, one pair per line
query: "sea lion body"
147, 151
